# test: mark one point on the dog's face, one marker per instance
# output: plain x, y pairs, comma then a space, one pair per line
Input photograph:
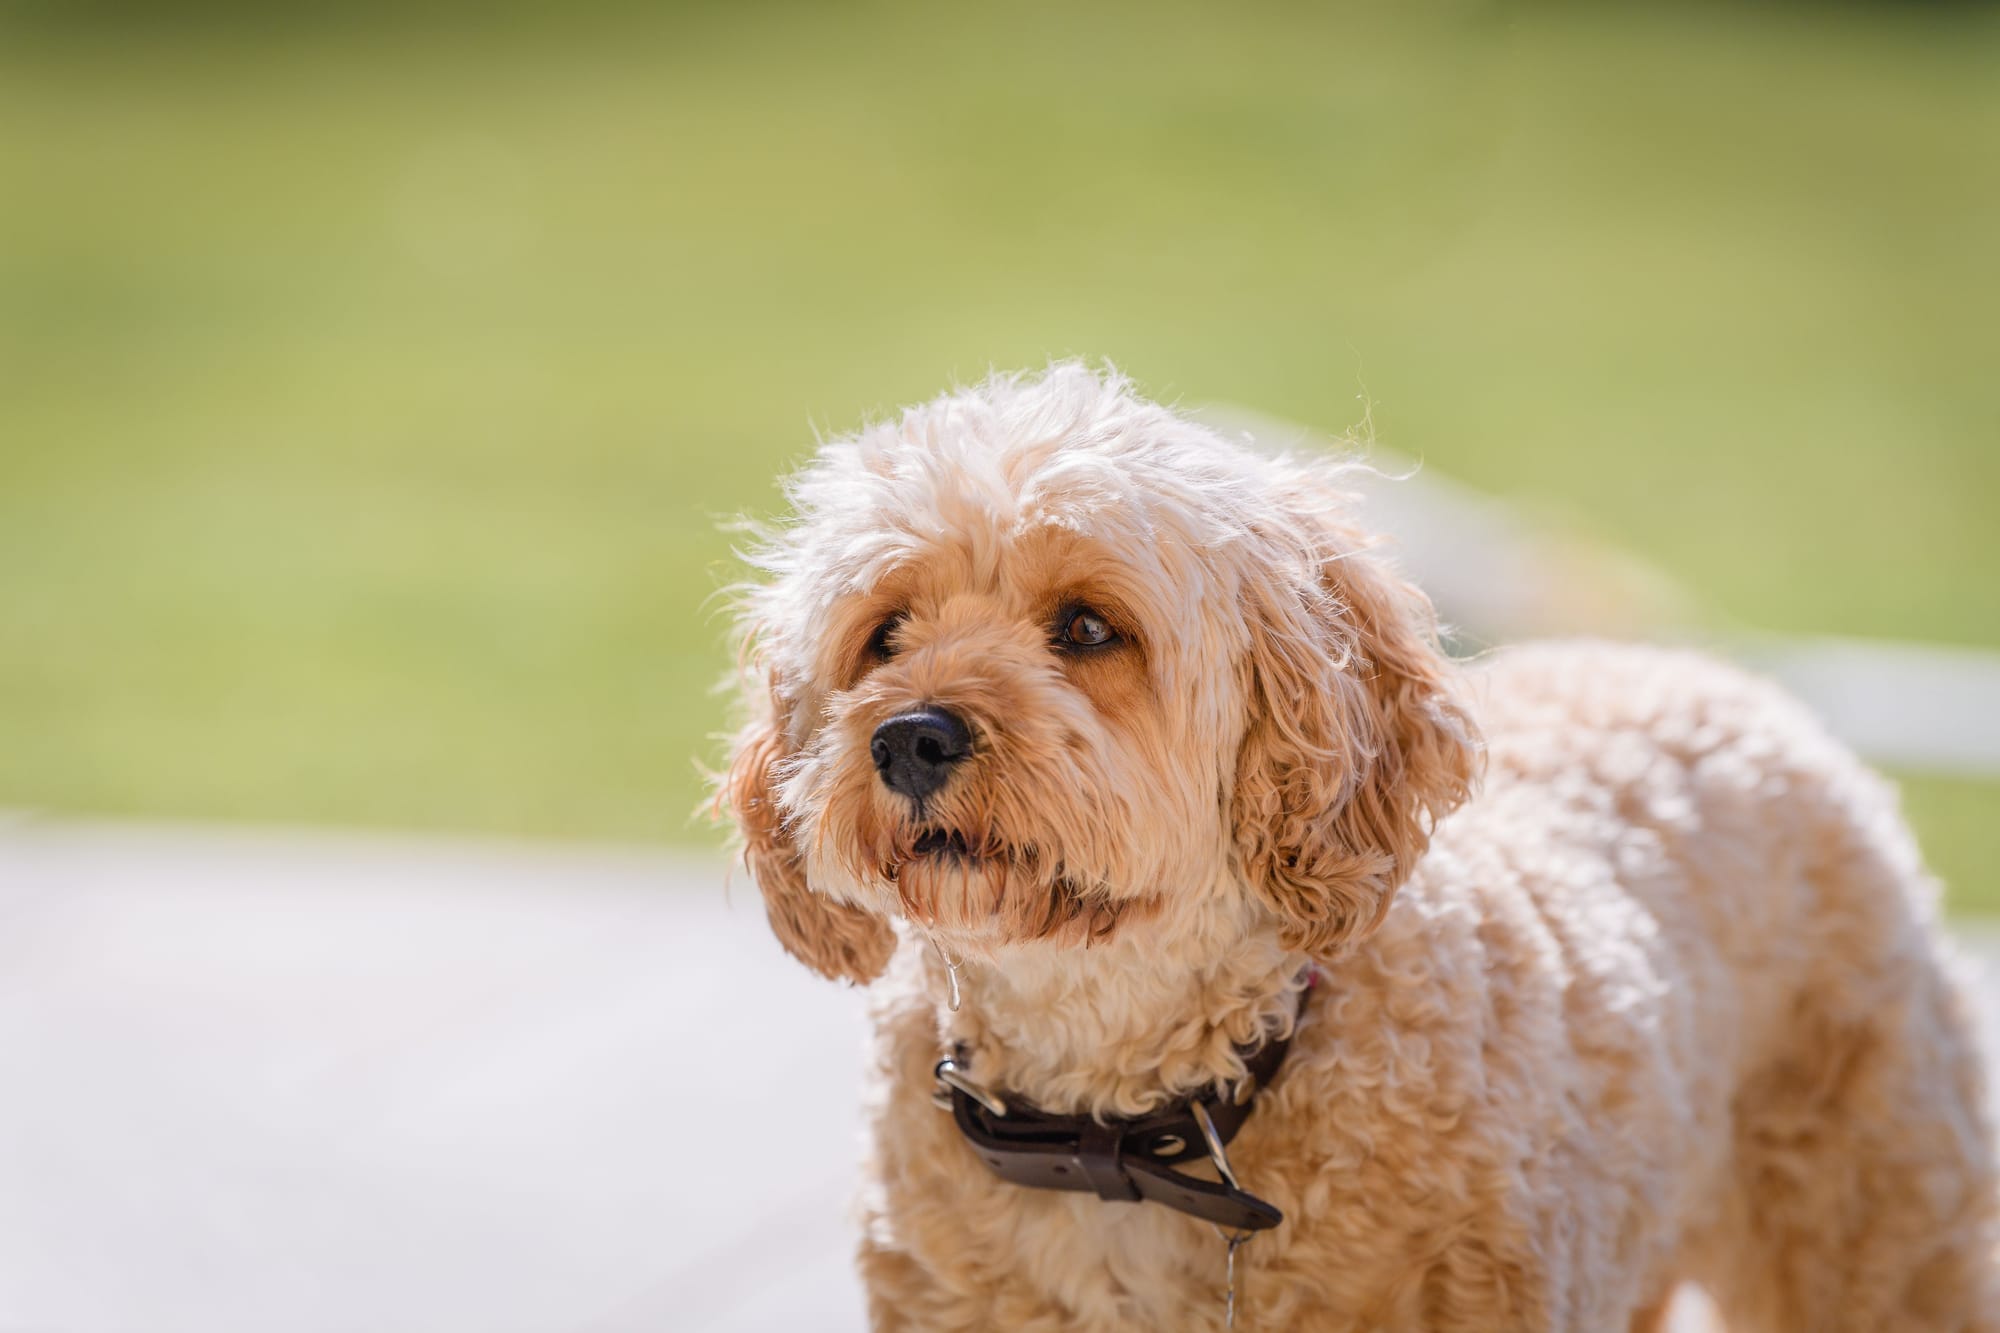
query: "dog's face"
1043, 658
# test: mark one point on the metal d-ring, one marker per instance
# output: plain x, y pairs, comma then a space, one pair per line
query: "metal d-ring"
1214, 1142
948, 1073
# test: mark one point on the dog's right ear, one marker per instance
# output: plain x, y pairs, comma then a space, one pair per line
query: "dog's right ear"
834, 939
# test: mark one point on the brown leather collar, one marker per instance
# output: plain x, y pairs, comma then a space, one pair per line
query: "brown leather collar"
1121, 1159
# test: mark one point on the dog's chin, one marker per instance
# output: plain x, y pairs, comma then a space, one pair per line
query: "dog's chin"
943, 879
988, 892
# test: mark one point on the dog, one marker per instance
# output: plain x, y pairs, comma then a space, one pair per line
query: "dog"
1128, 774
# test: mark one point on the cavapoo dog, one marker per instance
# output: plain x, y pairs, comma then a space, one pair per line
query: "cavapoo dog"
1235, 954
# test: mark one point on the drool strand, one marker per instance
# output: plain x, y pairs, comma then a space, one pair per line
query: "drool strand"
950, 974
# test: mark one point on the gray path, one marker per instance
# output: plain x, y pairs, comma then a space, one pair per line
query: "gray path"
291, 1083
307, 1083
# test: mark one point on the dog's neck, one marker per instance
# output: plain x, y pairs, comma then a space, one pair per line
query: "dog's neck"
1164, 1007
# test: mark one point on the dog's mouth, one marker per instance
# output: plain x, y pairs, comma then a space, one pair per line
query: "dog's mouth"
944, 875
945, 843
943, 848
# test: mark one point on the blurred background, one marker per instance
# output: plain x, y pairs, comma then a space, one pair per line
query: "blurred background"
373, 377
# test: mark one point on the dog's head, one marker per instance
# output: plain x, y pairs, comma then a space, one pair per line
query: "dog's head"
1043, 658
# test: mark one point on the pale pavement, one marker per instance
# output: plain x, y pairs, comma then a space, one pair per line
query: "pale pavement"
286, 1083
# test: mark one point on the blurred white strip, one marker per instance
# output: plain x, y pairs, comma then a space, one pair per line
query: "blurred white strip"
1920, 706
1501, 574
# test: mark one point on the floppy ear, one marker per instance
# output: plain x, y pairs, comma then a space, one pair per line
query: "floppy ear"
1357, 742
834, 939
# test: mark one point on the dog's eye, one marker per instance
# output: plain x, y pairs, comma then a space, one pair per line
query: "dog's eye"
1084, 628
879, 646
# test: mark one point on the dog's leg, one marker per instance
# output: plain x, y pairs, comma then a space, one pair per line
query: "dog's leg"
1866, 1160
1870, 1183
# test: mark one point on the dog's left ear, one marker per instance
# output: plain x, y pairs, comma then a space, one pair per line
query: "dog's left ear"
1357, 740
835, 939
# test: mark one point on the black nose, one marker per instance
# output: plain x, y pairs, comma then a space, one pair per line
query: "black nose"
915, 753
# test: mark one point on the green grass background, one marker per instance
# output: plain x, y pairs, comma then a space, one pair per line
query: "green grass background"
369, 389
